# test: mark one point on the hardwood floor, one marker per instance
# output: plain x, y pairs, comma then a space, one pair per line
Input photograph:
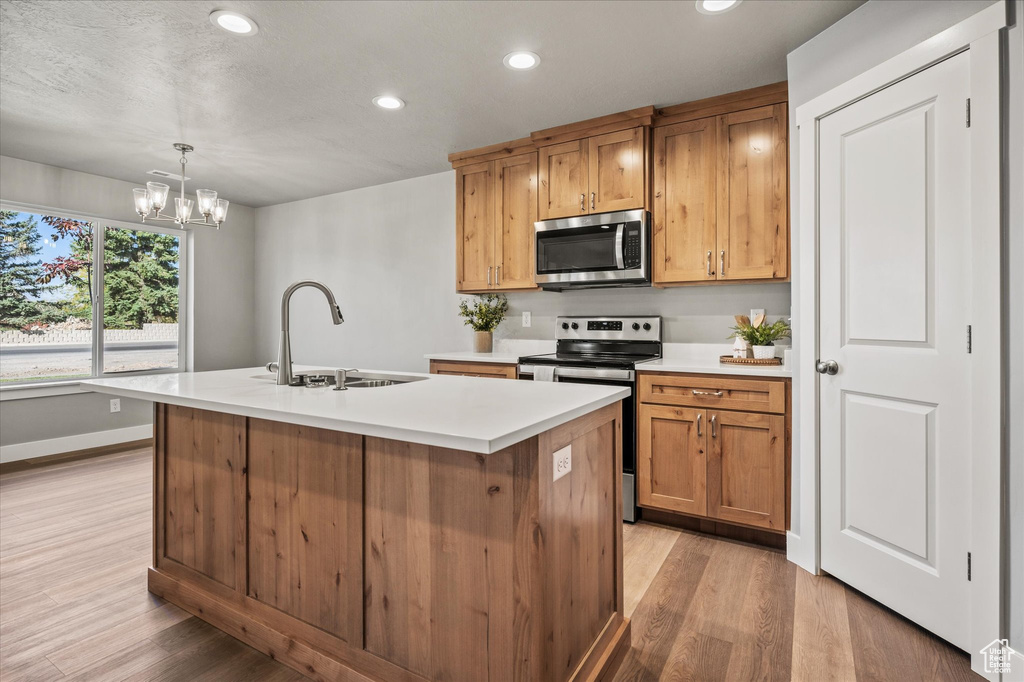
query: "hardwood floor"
75, 544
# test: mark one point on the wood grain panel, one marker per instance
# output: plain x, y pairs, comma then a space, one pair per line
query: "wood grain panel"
305, 524
474, 227
672, 458
685, 233
564, 180
746, 469
473, 369
753, 212
516, 211
762, 395
203, 456
616, 170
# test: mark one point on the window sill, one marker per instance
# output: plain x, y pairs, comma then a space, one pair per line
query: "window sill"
51, 388
41, 390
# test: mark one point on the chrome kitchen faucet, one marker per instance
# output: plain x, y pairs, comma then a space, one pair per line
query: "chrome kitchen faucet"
284, 352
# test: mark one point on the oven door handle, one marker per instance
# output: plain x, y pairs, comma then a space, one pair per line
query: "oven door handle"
594, 373
619, 261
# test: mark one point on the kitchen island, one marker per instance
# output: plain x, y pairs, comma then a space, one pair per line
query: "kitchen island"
448, 528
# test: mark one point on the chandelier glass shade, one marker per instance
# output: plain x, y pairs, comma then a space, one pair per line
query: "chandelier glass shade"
151, 200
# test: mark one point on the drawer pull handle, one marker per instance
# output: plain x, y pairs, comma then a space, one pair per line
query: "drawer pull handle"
716, 394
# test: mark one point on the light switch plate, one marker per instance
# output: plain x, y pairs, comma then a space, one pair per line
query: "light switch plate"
563, 461
754, 312
527, 321
115, 405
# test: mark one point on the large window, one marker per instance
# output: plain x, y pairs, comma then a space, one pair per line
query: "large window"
81, 297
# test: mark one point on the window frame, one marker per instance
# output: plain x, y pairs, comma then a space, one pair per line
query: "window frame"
33, 389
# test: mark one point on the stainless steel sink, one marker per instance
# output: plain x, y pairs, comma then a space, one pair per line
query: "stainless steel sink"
372, 383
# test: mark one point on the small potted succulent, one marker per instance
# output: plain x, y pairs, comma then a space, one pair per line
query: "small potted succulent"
761, 335
484, 316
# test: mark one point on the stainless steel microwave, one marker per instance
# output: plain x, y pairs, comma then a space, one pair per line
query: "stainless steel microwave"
602, 250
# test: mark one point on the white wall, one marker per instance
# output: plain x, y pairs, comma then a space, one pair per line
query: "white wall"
388, 253
868, 36
220, 302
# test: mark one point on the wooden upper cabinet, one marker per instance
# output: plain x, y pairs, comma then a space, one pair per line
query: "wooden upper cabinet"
685, 238
616, 170
747, 469
564, 180
593, 175
672, 458
474, 227
753, 216
516, 206
496, 207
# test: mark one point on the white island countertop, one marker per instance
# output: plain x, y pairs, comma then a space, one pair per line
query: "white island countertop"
464, 413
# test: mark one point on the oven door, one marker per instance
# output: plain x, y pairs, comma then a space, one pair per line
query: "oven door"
610, 377
610, 249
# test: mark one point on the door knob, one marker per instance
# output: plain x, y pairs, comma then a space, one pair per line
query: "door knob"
827, 367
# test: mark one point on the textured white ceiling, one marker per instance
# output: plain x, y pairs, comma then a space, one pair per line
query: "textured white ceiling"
106, 87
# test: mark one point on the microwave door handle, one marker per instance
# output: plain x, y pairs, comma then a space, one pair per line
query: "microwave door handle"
619, 263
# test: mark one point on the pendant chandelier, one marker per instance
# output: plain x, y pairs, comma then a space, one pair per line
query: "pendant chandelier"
149, 202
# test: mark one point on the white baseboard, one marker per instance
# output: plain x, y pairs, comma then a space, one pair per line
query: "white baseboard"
56, 446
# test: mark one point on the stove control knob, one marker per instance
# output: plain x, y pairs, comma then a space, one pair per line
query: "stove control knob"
647, 326
575, 326
565, 325
636, 326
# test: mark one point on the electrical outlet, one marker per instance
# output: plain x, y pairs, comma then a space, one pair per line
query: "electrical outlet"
563, 462
527, 321
754, 312
115, 405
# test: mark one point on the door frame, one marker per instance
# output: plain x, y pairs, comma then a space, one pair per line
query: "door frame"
981, 34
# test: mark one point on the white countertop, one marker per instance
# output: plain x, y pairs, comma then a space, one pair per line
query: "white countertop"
702, 358
464, 413
492, 358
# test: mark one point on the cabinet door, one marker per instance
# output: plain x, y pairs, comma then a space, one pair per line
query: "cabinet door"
672, 461
515, 197
201, 464
753, 218
616, 168
746, 468
563, 180
684, 202
474, 227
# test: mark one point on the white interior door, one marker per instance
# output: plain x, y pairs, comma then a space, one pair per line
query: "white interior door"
894, 295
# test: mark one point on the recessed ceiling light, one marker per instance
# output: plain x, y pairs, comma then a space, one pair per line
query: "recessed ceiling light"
388, 102
233, 22
521, 61
716, 6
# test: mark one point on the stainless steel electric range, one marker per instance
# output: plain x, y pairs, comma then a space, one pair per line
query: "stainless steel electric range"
604, 350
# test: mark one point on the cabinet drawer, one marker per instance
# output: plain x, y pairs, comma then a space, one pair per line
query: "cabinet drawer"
754, 395
473, 369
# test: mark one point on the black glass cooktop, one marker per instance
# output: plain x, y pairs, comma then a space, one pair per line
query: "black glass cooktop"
587, 359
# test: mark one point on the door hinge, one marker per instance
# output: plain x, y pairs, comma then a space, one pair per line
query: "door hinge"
968, 112
970, 339
968, 567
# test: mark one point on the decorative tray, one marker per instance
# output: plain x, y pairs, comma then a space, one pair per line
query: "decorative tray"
730, 360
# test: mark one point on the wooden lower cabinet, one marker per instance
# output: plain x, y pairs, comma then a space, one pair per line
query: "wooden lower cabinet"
358, 558
473, 369
673, 458
726, 465
746, 469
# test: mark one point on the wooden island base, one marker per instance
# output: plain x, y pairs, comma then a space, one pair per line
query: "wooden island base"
358, 558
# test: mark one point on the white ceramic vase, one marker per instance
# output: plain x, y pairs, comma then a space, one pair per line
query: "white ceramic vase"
764, 352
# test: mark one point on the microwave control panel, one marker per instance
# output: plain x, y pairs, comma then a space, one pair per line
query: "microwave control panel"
631, 247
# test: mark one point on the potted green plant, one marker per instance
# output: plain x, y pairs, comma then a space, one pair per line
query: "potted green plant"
762, 336
484, 316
